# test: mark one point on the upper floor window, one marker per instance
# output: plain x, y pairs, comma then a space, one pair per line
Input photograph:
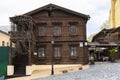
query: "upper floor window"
13, 27
7, 43
42, 31
57, 52
73, 29
3, 43
73, 51
41, 52
57, 30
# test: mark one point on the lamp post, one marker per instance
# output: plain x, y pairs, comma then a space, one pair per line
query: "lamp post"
52, 61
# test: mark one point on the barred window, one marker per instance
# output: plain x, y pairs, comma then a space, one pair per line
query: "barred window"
57, 30
73, 29
41, 52
57, 52
73, 51
41, 31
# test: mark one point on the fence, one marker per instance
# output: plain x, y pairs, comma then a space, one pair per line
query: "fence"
4, 59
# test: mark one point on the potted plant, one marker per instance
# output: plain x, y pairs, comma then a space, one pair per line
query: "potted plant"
112, 54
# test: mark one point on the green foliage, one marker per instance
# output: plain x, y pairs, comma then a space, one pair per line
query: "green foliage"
105, 25
112, 55
89, 39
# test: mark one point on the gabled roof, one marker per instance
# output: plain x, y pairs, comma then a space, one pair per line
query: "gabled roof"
4, 32
57, 7
105, 31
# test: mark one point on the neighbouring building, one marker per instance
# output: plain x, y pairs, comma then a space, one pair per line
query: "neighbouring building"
49, 33
4, 38
103, 41
107, 38
114, 14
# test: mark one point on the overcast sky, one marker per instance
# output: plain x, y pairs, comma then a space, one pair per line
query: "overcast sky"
97, 9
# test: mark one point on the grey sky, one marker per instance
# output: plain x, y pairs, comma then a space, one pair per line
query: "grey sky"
97, 9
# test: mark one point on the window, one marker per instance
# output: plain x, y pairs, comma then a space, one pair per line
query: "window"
41, 31
13, 27
73, 29
57, 52
57, 30
41, 52
73, 51
3, 43
7, 43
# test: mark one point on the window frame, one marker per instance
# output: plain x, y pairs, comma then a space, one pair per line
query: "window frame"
57, 52
73, 29
73, 51
42, 30
3, 43
40, 54
57, 30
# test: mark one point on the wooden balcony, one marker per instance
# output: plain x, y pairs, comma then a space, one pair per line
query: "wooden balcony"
20, 35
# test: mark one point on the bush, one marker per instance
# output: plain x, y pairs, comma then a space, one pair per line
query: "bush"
112, 54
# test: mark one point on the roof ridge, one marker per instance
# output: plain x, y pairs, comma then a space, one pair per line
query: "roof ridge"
59, 7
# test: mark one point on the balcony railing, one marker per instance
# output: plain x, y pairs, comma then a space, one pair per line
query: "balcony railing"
20, 35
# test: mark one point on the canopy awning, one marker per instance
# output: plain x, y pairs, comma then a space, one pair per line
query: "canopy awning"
96, 44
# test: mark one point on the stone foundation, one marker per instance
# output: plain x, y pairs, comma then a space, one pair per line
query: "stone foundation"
10, 70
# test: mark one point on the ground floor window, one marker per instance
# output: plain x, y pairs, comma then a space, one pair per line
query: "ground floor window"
73, 51
41, 52
57, 52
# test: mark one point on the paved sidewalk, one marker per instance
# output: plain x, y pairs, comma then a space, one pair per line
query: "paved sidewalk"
46, 71
99, 71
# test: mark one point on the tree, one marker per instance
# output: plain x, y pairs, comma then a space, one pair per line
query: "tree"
89, 39
105, 25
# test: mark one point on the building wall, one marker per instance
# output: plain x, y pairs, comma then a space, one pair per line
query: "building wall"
5, 38
65, 40
115, 13
82, 56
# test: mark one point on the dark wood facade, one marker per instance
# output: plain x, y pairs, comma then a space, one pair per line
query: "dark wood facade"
107, 39
54, 23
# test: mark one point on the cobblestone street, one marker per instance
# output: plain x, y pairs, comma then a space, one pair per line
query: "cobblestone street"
99, 71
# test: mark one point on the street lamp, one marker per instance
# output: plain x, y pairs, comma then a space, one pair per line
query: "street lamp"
52, 61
